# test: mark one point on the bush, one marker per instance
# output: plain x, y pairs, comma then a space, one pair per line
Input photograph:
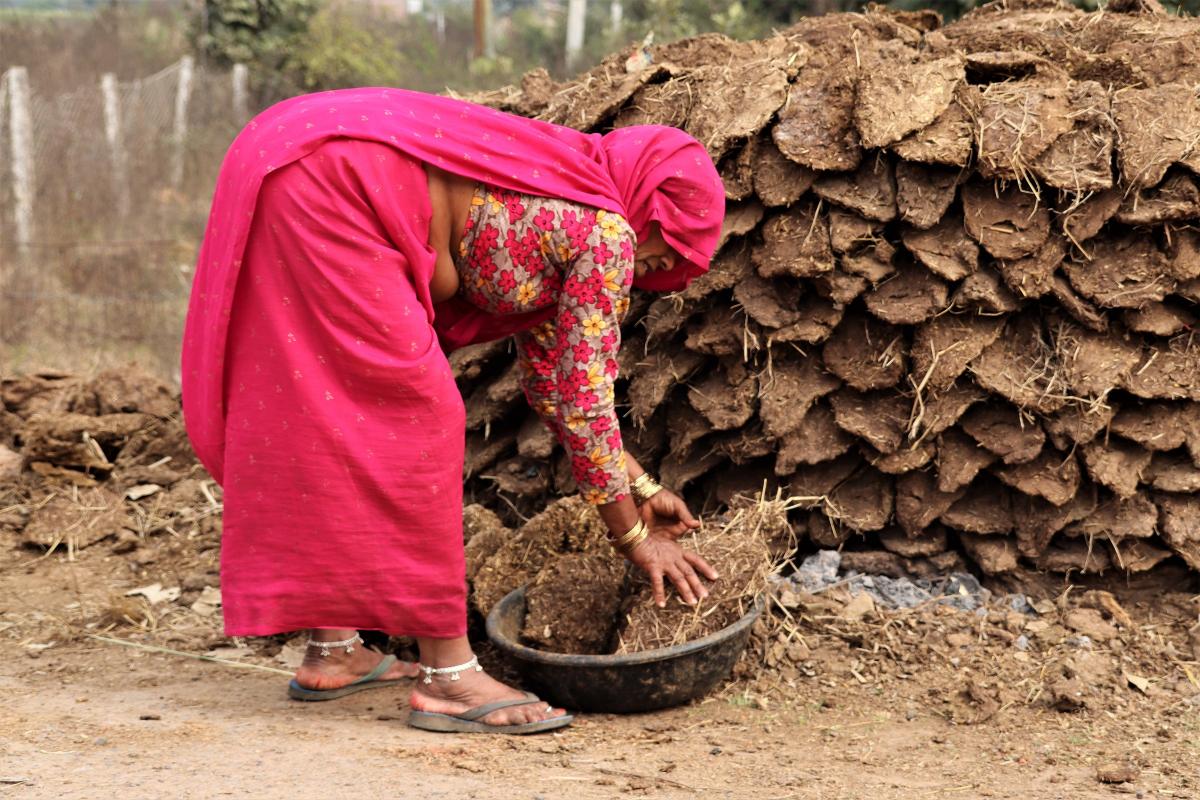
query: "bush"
340, 50
252, 32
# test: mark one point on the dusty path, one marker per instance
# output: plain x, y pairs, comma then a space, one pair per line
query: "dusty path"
72, 708
73, 727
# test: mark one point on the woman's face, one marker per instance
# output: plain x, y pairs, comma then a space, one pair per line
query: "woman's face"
653, 254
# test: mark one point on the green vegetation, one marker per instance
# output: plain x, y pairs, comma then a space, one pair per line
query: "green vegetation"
253, 31
294, 46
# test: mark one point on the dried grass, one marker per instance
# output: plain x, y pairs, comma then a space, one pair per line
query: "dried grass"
740, 549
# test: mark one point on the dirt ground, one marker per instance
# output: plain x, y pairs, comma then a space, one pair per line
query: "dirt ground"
83, 718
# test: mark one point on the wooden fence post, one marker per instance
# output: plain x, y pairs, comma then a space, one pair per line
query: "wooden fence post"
576, 19
183, 94
20, 131
241, 103
114, 135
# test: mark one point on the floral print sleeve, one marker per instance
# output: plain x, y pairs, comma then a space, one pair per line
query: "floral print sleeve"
580, 260
569, 364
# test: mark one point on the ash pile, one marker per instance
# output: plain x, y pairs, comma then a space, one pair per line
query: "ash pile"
954, 298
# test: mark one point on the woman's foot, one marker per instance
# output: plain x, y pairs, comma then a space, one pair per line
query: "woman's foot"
340, 668
472, 689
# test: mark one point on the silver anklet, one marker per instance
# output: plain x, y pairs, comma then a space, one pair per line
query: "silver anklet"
453, 672
346, 643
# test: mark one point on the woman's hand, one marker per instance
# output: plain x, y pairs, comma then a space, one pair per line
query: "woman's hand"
666, 511
660, 555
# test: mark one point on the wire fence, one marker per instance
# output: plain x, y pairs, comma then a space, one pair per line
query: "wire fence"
103, 195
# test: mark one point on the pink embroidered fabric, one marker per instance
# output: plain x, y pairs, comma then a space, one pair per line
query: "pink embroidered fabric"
314, 389
523, 253
343, 439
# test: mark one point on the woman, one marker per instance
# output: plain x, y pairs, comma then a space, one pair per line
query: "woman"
352, 232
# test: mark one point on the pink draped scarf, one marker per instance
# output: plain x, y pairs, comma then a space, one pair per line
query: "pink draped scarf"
646, 173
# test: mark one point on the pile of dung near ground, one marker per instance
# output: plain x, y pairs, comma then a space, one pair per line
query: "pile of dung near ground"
98, 470
955, 295
99, 461
1087, 650
501, 561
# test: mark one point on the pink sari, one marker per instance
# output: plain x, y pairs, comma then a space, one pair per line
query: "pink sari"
314, 388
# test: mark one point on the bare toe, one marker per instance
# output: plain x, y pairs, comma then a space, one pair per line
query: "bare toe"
475, 689
401, 670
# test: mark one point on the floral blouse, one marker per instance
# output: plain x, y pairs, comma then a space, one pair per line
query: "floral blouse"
523, 253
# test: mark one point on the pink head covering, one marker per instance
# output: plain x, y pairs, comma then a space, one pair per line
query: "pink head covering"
664, 175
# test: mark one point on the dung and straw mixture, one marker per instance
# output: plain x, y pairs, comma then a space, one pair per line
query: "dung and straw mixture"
582, 598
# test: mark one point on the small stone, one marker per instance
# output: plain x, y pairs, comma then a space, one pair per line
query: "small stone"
819, 570
798, 651
195, 581
1043, 607
1117, 773
1067, 694
1015, 622
127, 541
1090, 623
142, 491
100, 741
1019, 603
716, 751
149, 717
858, 607
959, 639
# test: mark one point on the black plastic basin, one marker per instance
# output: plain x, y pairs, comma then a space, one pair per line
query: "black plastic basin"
621, 684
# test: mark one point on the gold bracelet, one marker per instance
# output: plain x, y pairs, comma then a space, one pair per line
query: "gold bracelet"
637, 532
644, 487
629, 541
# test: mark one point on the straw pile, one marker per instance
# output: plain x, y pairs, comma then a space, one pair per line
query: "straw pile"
740, 549
955, 294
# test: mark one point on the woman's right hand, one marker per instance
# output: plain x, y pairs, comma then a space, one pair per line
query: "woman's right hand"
659, 556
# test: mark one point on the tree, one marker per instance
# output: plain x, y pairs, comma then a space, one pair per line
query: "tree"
253, 31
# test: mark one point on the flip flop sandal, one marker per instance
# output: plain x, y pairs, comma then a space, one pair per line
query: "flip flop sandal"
368, 681
468, 721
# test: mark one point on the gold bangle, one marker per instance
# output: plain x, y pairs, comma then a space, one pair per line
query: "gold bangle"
635, 532
628, 541
644, 487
